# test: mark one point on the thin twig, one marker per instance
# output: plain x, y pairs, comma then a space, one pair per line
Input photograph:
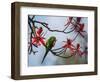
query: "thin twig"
75, 37
57, 49
61, 56
46, 26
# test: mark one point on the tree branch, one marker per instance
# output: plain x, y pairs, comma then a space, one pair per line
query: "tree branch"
46, 26
61, 56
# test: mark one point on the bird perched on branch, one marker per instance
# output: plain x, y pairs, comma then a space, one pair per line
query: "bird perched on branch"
49, 44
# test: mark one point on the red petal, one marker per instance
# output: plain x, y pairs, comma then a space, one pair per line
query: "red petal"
39, 31
33, 40
81, 27
78, 46
42, 41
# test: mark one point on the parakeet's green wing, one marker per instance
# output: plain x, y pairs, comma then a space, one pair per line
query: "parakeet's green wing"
50, 43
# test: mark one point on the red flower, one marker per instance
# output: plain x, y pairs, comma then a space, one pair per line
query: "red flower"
39, 31
38, 39
69, 45
78, 50
80, 29
76, 24
69, 21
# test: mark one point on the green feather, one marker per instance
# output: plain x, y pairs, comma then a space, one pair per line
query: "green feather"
50, 43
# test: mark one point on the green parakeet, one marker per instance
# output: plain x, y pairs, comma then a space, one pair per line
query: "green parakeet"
49, 44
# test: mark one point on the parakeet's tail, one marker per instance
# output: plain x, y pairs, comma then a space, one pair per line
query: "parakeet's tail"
44, 56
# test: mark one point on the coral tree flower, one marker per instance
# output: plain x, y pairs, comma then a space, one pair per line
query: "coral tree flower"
79, 27
78, 50
38, 39
69, 45
69, 21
